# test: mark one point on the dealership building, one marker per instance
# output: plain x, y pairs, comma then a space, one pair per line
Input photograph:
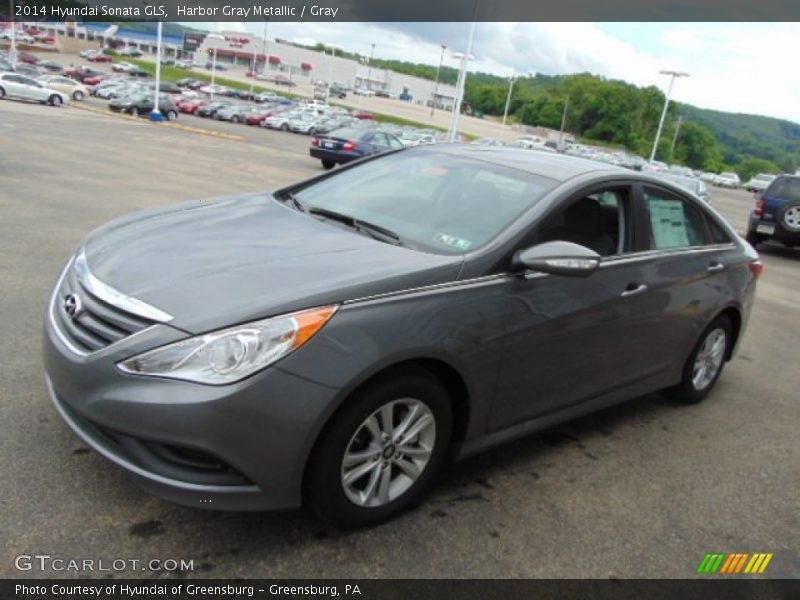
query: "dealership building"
273, 57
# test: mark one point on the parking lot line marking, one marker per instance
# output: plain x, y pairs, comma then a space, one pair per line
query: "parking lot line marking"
217, 134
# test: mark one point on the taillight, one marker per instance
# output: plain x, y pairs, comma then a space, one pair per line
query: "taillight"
315, 142
349, 146
756, 268
759, 209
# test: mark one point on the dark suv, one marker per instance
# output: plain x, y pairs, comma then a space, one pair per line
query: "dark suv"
777, 213
141, 104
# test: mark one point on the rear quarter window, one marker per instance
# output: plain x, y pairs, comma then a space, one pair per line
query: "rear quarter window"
785, 188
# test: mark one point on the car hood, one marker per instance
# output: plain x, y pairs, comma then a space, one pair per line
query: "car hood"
219, 262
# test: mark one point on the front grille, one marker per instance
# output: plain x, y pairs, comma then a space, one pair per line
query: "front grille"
97, 323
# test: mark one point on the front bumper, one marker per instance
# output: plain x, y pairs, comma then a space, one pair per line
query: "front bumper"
257, 434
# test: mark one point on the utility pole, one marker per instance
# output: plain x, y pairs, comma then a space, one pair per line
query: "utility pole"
675, 137
436, 85
673, 75
563, 123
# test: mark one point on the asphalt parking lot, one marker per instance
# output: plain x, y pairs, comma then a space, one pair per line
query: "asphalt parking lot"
641, 490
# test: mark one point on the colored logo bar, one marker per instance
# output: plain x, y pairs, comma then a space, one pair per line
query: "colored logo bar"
723, 563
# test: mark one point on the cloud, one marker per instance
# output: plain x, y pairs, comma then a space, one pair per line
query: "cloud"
738, 67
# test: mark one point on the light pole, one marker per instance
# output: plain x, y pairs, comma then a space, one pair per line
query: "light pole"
330, 75
369, 67
673, 75
462, 77
155, 114
213, 36
13, 48
436, 85
511, 81
264, 45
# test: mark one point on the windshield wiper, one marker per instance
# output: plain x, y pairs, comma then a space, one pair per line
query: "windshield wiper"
294, 200
375, 231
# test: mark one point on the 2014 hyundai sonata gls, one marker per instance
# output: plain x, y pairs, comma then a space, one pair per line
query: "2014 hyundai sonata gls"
332, 342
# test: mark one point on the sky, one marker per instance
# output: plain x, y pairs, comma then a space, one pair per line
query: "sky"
735, 67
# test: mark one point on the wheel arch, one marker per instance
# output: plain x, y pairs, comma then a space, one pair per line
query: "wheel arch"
444, 372
734, 315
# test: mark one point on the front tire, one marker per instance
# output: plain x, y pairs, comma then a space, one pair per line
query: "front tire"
55, 100
171, 115
705, 363
380, 450
284, 127
134, 111
77, 96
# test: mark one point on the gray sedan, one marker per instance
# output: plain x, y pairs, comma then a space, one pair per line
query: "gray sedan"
332, 343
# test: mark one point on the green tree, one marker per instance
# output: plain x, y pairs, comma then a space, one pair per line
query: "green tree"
752, 166
697, 147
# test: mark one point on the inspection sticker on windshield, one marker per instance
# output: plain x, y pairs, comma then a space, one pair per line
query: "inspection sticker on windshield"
451, 240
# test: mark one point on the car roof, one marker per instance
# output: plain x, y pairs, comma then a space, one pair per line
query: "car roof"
560, 167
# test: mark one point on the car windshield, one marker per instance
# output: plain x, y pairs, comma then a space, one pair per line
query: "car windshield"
785, 188
434, 201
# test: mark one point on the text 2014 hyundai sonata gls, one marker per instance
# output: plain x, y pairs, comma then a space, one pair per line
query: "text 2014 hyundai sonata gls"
333, 342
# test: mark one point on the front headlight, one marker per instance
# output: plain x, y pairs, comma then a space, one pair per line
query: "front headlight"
228, 355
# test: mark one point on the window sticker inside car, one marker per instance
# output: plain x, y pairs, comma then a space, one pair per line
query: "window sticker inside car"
451, 240
669, 223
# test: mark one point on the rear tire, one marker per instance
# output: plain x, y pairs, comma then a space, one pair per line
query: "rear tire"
171, 115
2, 93
134, 111
284, 127
328, 164
387, 484
55, 100
705, 363
754, 239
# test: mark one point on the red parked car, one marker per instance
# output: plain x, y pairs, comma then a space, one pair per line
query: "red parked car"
363, 114
99, 58
27, 58
190, 106
94, 79
81, 73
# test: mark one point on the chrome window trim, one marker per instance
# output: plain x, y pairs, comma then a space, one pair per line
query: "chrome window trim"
114, 297
651, 254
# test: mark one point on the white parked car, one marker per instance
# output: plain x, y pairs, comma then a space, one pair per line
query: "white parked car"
89, 52
304, 123
75, 90
14, 85
281, 120
727, 180
213, 89
530, 142
123, 67
759, 183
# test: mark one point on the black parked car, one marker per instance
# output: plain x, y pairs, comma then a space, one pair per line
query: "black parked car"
137, 72
51, 65
335, 341
210, 109
142, 105
218, 67
187, 82
777, 213
348, 144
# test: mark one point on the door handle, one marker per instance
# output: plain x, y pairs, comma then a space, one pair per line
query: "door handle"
632, 290
715, 267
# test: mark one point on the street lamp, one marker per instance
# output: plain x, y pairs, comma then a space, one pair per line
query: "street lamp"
213, 36
436, 85
13, 48
155, 114
563, 123
330, 74
673, 75
511, 81
255, 59
369, 67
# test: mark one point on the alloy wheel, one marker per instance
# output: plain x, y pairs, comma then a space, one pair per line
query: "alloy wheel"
709, 359
388, 452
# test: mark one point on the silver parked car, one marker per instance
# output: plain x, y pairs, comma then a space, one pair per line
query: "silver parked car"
14, 85
334, 341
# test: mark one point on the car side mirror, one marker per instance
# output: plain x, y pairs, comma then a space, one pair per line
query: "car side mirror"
558, 258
